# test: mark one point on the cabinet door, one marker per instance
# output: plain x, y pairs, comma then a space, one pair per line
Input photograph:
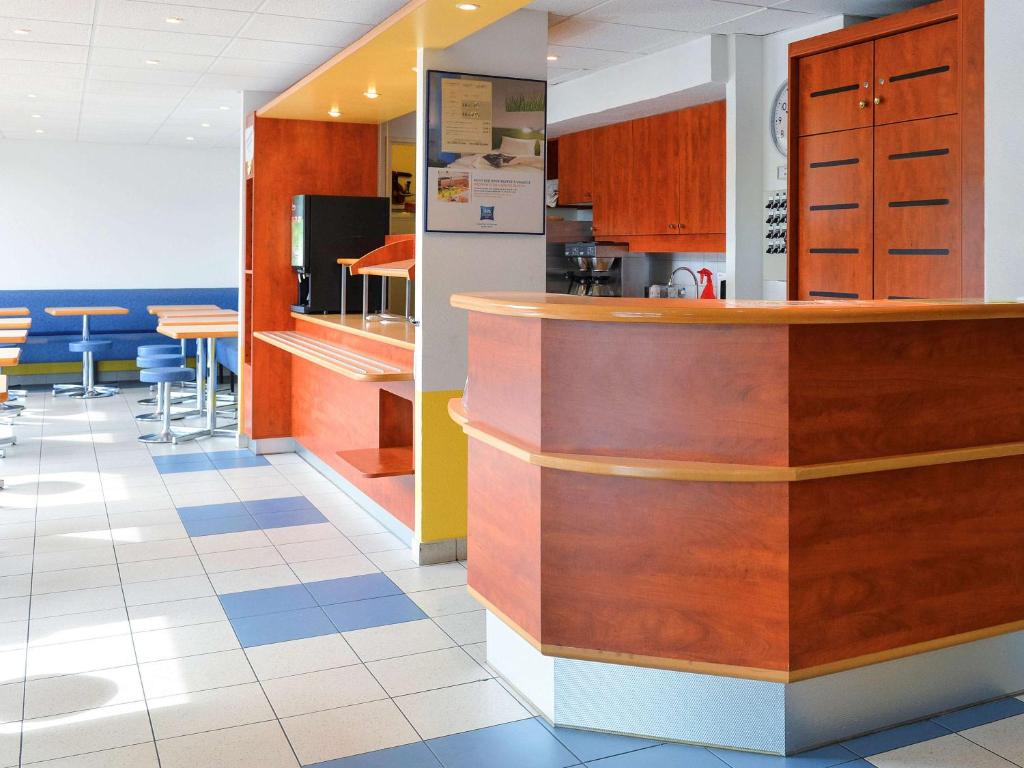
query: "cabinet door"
654, 183
701, 169
613, 167
575, 168
835, 90
834, 216
917, 74
917, 209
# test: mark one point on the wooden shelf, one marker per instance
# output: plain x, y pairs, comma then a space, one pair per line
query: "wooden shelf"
380, 462
401, 335
334, 357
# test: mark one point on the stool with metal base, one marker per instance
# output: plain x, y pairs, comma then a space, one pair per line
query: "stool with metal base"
88, 390
163, 378
165, 360
156, 349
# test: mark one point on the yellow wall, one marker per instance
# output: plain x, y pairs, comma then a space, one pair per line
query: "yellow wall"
441, 482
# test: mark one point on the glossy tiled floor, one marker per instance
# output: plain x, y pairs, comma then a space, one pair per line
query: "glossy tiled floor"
201, 607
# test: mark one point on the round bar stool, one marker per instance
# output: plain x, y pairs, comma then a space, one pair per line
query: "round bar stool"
89, 390
164, 378
159, 360
147, 350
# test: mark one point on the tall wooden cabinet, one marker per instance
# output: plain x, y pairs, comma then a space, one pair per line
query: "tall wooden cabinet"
887, 119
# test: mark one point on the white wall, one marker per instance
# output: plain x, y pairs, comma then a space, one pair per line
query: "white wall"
1004, 164
77, 215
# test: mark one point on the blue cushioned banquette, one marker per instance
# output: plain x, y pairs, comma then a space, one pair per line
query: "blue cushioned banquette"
227, 354
49, 336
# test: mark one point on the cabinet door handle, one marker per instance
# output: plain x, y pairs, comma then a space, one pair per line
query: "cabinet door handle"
878, 100
863, 104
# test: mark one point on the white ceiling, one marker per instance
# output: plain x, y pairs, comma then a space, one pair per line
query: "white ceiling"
120, 71
588, 35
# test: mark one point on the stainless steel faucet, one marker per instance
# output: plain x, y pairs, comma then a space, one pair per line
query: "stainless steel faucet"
696, 282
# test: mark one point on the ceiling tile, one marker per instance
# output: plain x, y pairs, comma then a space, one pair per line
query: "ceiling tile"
680, 15
118, 57
264, 69
852, 7
43, 86
561, 74
159, 42
225, 5
59, 68
765, 21
578, 33
244, 83
45, 31
28, 51
104, 89
289, 30
586, 58
564, 7
76, 11
145, 15
269, 50
150, 76
370, 12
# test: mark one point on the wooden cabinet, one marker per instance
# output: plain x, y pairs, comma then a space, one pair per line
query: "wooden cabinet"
835, 215
655, 182
834, 91
886, 181
700, 169
575, 168
613, 169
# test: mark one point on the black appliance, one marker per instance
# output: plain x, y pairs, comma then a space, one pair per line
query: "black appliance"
326, 228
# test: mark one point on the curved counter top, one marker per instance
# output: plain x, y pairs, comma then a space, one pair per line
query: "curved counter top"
556, 306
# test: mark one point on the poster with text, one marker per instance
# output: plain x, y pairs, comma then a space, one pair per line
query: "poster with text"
485, 154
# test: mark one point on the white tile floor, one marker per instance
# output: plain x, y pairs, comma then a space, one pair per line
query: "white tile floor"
116, 652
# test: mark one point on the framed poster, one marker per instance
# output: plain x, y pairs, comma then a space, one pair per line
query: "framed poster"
486, 147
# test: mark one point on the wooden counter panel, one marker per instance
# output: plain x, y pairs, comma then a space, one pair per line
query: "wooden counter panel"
891, 559
861, 391
505, 534
268, 392
505, 374
377, 349
645, 567
330, 413
702, 392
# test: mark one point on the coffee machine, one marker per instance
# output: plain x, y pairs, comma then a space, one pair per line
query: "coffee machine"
326, 228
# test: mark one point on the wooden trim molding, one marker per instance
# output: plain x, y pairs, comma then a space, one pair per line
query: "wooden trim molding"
557, 306
718, 472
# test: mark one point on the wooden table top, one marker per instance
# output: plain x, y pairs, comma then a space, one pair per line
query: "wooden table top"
196, 319
14, 312
15, 323
560, 306
157, 309
196, 311
79, 311
13, 337
9, 356
198, 331
405, 269
347, 262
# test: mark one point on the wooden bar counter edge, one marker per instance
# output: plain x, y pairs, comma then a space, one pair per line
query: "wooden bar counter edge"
803, 494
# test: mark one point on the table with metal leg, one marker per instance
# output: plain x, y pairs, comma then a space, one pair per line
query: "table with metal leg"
11, 406
85, 313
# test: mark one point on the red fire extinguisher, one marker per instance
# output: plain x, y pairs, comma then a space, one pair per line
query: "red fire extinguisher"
708, 287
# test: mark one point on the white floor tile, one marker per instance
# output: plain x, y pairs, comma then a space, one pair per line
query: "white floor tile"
464, 628
430, 577
83, 558
393, 560
148, 533
1004, 737
77, 601
63, 735
334, 568
82, 691
177, 613
80, 656
195, 673
73, 525
229, 542
295, 533
241, 559
254, 578
15, 586
460, 708
191, 640
951, 751
377, 542
188, 713
296, 657
427, 671
445, 601
335, 733
11, 698
72, 627
326, 689
12, 665
247, 746
13, 566
164, 568
154, 550
323, 549
394, 640
166, 590
75, 579
136, 756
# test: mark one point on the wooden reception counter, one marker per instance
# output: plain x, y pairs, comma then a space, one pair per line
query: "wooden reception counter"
808, 496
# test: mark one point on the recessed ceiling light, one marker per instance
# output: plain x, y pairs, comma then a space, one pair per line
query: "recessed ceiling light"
32, 96
153, 62
371, 93
36, 116
23, 31
40, 130
552, 57
467, 6
204, 125
224, 107
174, 19
334, 112
190, 138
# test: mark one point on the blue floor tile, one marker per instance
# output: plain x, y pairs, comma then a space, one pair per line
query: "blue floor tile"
374, 613
220, 525
982, 714
826, 757
255, 461
208, 511
591, 745
285, 504
279, 627
287, 519
522, 744
352, 588
170, 468
663, 756
255, 602
410, 756
222, 458
894, 738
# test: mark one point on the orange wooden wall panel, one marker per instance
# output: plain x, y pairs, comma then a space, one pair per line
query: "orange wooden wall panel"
832, 89
921, 73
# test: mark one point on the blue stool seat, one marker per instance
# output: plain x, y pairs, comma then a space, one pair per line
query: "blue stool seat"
160, 361
146, 350
165, 375
88, 345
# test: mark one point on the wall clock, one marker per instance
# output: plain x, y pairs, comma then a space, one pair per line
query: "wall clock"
779, 118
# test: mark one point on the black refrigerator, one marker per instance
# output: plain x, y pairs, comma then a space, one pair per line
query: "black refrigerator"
326, 228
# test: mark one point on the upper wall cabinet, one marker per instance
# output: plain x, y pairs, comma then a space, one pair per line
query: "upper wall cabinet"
835, 90
917, 74
575, 168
